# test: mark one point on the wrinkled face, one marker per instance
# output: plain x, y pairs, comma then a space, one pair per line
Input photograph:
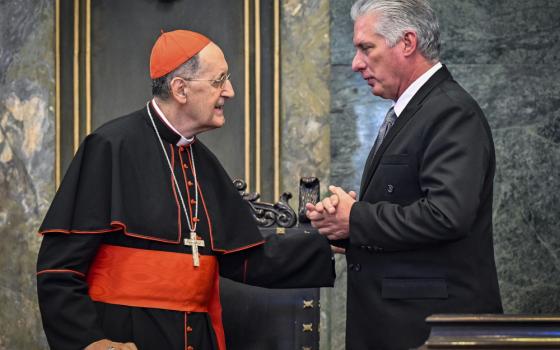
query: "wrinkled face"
205, 97
375, 60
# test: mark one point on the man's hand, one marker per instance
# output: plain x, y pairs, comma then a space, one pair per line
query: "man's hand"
331, 216
106, 344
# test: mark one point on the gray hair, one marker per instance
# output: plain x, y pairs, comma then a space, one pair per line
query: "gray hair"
161, 86
398, 16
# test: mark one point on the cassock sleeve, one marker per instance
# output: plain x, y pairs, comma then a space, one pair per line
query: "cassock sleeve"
72, 232
299, 260
69, 317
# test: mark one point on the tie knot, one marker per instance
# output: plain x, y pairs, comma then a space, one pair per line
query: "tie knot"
391, 116
388, 122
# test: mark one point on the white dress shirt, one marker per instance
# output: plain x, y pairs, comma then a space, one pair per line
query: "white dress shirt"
409, 93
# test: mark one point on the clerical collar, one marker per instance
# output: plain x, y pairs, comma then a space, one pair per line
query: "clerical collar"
183, 140
409, 93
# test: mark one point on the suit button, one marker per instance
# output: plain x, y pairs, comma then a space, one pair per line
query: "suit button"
357, 267
390, 188
369, 248
351, 266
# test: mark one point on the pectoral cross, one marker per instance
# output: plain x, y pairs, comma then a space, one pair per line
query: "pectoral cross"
194, 243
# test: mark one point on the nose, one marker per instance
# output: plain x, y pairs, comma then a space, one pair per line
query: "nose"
228, 90
357, 62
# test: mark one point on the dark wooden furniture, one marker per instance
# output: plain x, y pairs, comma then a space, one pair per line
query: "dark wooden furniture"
273, 319
493, 332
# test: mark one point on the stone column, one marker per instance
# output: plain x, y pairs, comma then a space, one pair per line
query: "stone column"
305, 72
305, 52
26, 162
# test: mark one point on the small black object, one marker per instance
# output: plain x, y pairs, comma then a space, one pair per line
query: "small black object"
309, 192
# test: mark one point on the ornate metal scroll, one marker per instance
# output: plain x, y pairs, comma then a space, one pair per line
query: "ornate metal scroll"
268, 214
308, 193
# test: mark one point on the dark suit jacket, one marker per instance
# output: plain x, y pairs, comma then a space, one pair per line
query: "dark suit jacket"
421, 234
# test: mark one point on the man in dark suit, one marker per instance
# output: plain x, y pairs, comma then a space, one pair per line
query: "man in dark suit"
419, 239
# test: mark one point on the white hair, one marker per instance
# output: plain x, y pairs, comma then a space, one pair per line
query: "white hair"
398, 16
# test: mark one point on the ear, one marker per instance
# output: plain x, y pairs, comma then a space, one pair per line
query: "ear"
410, 40
178, 90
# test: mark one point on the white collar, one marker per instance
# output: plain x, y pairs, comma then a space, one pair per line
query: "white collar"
183, 140
409, 93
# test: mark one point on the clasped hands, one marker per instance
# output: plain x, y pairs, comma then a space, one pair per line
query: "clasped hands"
331, 216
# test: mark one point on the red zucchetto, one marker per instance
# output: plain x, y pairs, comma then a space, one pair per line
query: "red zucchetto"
172, 49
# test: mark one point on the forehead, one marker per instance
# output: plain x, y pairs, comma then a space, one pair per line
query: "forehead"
364, 29
212, 59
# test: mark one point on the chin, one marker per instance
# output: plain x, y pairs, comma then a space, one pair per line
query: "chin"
376, 92
219, 121
382, 93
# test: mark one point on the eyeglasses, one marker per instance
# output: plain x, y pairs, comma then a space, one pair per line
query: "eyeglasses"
217, 83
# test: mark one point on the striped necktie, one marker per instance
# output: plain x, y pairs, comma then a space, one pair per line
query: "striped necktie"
389, 121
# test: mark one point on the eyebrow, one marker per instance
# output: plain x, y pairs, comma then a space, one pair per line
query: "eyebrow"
364, 45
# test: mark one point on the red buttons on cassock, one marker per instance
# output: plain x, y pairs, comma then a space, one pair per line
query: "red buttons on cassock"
189, 329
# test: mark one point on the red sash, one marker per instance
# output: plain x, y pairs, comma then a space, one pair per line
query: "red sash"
149, 278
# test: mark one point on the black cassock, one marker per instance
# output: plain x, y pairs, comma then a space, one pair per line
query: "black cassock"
113, 263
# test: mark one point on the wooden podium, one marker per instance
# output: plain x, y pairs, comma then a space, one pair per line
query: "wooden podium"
493, 332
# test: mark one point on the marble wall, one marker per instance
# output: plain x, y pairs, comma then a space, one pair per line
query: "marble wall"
505, 53
305, 68
26, 161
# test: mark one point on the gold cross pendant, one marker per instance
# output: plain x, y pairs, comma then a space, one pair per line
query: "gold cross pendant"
194, 243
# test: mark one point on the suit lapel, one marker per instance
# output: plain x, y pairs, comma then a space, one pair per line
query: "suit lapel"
410, 110
367, 169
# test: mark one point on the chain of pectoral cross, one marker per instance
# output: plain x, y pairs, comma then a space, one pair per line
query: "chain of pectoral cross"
193, 240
